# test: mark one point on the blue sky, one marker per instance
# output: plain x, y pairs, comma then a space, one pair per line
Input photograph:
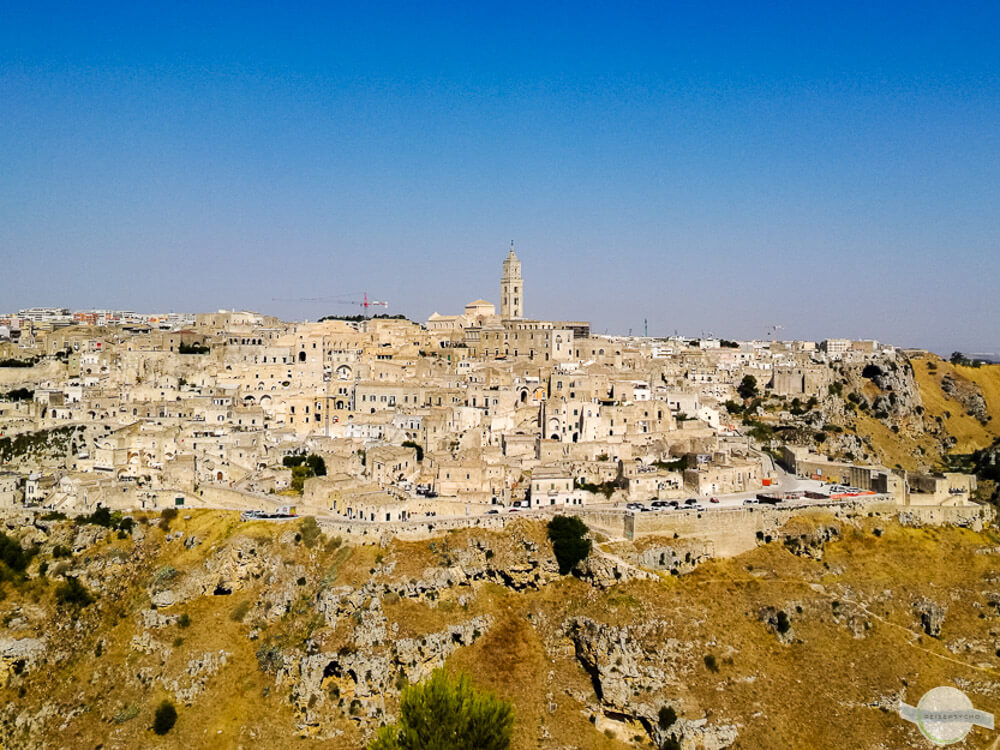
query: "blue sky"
833, 168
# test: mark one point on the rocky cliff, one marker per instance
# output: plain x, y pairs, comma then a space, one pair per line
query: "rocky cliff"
264, 634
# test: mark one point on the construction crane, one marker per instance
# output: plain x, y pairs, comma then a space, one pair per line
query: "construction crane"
364, 303
773, 330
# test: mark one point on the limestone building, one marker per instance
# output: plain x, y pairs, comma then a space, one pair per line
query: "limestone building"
511, 288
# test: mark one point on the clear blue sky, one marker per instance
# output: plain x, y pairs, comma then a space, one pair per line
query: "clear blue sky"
833, 168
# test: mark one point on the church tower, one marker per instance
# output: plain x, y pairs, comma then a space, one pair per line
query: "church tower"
511, 288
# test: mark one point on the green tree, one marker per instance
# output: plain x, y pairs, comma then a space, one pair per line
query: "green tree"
748, 387
317, 464
733, 407
416, 446
570, 544
448, 714
166, 717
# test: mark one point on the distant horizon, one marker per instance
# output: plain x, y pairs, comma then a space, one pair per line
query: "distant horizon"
944, 353
720, 167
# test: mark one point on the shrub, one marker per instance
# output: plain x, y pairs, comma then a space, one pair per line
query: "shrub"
12, 555
100, 517
317, 464
126, 714
73, 593
711, 663
269, 659
166, 516
240, 611
416, 446
570, 545
784, 624
166, 717
184, 620
667, 717
747, 387
309, 531
448, 714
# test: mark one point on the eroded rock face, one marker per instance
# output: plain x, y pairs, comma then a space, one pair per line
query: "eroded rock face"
968, 394
677, 559
358, 677
931, 616
810, 544
630, 679
18, 655
777, 622
605, 572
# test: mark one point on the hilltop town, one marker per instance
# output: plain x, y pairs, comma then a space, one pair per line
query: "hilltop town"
463, 417
269, 529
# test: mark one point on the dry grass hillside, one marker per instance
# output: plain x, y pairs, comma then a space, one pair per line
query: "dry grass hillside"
265, 636
958, 412
970, 434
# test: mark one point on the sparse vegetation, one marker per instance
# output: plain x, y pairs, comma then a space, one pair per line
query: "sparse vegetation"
74, 594
165, 718
448, 714
748, 388
309, 531
166, 516
570, 544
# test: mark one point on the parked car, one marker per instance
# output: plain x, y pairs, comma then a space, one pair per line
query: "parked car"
492, 512
660, 503
713, 500
751, 501
691, 501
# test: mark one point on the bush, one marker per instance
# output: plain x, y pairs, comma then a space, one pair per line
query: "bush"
747, 387
448, 714
667, 717
711, 663
317, 464
416, 446
184, 620
166, 516
166, 717
19, 394
309, 531
569, 543
100, 517
12, 555
784, 624
239, 611
74, 594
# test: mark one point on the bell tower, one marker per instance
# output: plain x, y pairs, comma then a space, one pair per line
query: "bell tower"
511, 288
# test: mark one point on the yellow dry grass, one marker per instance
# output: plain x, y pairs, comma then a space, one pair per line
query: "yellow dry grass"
970, 434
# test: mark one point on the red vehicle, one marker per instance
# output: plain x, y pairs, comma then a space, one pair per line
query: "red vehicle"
713, 500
